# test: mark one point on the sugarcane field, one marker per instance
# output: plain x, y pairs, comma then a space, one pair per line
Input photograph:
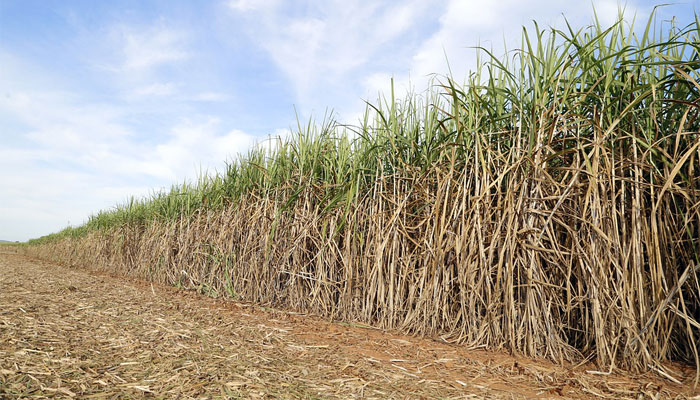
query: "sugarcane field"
527, 230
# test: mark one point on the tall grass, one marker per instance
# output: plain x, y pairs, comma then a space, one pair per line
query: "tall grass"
549, 206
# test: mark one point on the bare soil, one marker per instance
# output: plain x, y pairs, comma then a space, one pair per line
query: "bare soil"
71, 333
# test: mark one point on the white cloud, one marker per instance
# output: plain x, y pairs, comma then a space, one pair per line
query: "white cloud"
56, 120
322, 50
147, 48
396, 20
197, 147
94, 137
156, 89
137, 61
253, 5
210, 97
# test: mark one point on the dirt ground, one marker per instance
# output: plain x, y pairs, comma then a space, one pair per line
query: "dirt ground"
70, 333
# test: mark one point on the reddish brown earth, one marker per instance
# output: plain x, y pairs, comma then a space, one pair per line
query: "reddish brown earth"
69, 333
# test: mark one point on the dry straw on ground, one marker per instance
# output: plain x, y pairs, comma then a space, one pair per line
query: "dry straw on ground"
66, 333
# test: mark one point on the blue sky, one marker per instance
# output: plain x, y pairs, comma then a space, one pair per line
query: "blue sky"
101, 100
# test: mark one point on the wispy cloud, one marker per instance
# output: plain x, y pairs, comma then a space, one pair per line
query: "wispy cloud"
210, 97
156, 89
323, 49
150, 47
252, 5
140, 60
